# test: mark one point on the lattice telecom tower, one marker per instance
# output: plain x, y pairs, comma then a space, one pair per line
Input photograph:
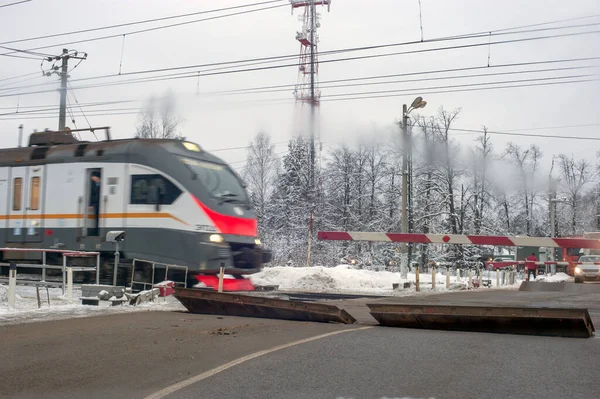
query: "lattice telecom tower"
308, 66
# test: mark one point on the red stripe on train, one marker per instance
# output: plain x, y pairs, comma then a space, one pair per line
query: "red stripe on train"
229, 224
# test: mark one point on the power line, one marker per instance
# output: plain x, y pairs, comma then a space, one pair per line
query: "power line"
156, 28
196, 75
438, 71
529, 134
15, 3
145, 21
465, 85
415, 92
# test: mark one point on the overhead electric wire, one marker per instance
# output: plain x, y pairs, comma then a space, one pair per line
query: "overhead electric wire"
14, 4
155, 28
145, 21
195, 75
505, 133
357, 96
467, 85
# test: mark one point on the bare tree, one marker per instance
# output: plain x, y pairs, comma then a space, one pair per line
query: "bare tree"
575, 174
449, 169
158, 119
260, 174
527, 162
480, 195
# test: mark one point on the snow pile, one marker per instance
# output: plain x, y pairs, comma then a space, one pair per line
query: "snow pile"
344, 278
557, 278
318, 278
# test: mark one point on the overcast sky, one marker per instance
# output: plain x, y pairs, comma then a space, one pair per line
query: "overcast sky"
218, 121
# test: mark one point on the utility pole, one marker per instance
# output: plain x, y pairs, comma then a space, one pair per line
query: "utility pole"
313, 104
406, 250
405, 154
64, 76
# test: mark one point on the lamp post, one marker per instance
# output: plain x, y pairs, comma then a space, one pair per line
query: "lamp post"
406, 155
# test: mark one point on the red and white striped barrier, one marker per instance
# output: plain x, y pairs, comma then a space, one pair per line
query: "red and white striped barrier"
504, 241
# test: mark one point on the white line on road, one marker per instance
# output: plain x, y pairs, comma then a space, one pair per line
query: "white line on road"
202, 376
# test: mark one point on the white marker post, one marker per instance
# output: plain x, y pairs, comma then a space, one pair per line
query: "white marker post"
417, 287
497, 278
470, 279
433, 278
12, 285
447, 277
69, 285
221, 272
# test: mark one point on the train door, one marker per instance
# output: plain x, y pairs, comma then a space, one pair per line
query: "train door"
93, 202
25, 217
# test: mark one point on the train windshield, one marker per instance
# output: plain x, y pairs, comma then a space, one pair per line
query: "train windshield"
218, 179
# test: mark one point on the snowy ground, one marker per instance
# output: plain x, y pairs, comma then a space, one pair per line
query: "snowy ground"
59, 308
346, 279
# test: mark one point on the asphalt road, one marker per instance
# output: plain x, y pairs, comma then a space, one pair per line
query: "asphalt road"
397, 363
142, 355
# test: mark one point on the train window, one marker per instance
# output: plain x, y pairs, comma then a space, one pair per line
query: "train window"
17, 190
140, 189
34, 200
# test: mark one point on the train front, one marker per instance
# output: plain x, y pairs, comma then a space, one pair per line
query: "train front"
227, 222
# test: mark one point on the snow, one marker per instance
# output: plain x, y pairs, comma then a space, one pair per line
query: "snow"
27, 307
557, 278
344, 278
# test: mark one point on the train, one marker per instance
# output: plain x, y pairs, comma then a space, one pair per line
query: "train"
173, 202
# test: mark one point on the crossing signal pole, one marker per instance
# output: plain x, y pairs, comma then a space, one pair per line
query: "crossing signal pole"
63, 71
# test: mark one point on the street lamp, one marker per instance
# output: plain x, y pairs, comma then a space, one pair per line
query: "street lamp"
406, 155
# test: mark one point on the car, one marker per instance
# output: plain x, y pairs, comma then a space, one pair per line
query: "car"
588, 269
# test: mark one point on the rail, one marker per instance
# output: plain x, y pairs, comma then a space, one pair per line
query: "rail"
65, 254
160, 265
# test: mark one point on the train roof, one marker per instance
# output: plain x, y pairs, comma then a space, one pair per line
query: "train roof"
62, 147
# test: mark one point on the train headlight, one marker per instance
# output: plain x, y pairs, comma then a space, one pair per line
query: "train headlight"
577, 270
257, 241
218, 238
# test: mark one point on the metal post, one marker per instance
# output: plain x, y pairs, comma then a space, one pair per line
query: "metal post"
69, 285
20, 135
98, 269
447, 277
470, 279
64, 272
417, 287
221, 272
12, 285
433, 271
43, 266
64, 70
117, 264
404, 248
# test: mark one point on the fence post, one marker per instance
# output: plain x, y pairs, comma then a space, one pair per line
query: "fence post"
221, 272
447, 277
470, 284
12, 285
417, 288
64, 272
98, 269
69, 285
433, 277
43, 266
